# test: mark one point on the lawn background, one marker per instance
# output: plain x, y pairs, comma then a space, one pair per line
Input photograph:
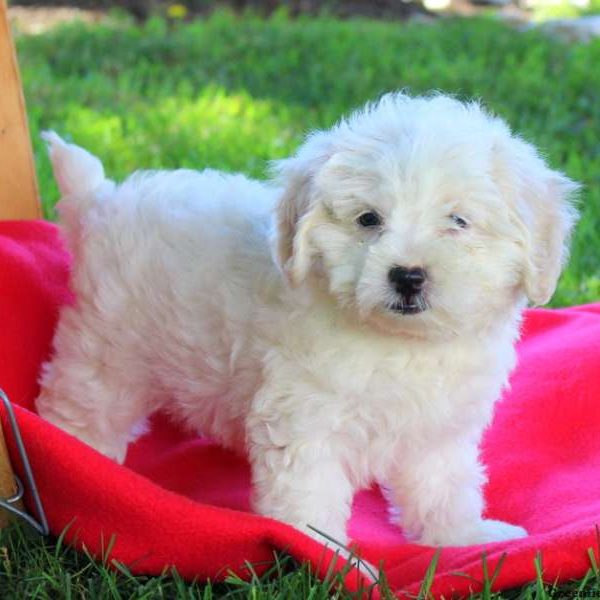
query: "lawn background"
234, 92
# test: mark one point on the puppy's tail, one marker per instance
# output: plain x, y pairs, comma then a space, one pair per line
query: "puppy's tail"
79, 175
76, 170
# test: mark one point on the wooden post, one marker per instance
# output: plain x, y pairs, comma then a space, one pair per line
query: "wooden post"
18, 188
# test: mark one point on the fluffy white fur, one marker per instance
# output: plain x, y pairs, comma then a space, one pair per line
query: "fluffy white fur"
262, 315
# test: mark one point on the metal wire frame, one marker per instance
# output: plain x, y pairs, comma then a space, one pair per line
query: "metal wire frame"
9, 504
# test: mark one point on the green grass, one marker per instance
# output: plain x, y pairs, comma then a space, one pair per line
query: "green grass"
564, 9
44, 569
233, 93
34, 568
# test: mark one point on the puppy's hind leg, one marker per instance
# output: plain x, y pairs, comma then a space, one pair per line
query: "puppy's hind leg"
98, 404
99, 412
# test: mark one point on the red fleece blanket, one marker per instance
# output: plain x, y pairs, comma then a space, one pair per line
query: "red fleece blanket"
182, 501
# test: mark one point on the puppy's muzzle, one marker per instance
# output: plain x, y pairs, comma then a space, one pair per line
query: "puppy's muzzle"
408, 283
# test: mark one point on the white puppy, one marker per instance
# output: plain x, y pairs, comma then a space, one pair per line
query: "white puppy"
354, 323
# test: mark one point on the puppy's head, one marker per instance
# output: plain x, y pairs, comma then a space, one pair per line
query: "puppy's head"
425, 216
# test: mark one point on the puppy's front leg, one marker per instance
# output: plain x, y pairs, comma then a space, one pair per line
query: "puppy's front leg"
438, 490
297, 475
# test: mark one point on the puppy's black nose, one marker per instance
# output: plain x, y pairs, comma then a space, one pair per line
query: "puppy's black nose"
407, 282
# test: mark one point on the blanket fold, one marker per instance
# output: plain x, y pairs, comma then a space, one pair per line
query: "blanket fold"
182, 501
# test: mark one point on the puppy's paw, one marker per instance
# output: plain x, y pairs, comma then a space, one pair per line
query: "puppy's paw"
489, 530
114, 450
485, 531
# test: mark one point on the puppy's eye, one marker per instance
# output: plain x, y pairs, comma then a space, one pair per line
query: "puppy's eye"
369, 219
459, 221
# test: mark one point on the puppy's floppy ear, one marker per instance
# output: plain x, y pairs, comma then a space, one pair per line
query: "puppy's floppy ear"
299, 208
554, 222
543, 200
